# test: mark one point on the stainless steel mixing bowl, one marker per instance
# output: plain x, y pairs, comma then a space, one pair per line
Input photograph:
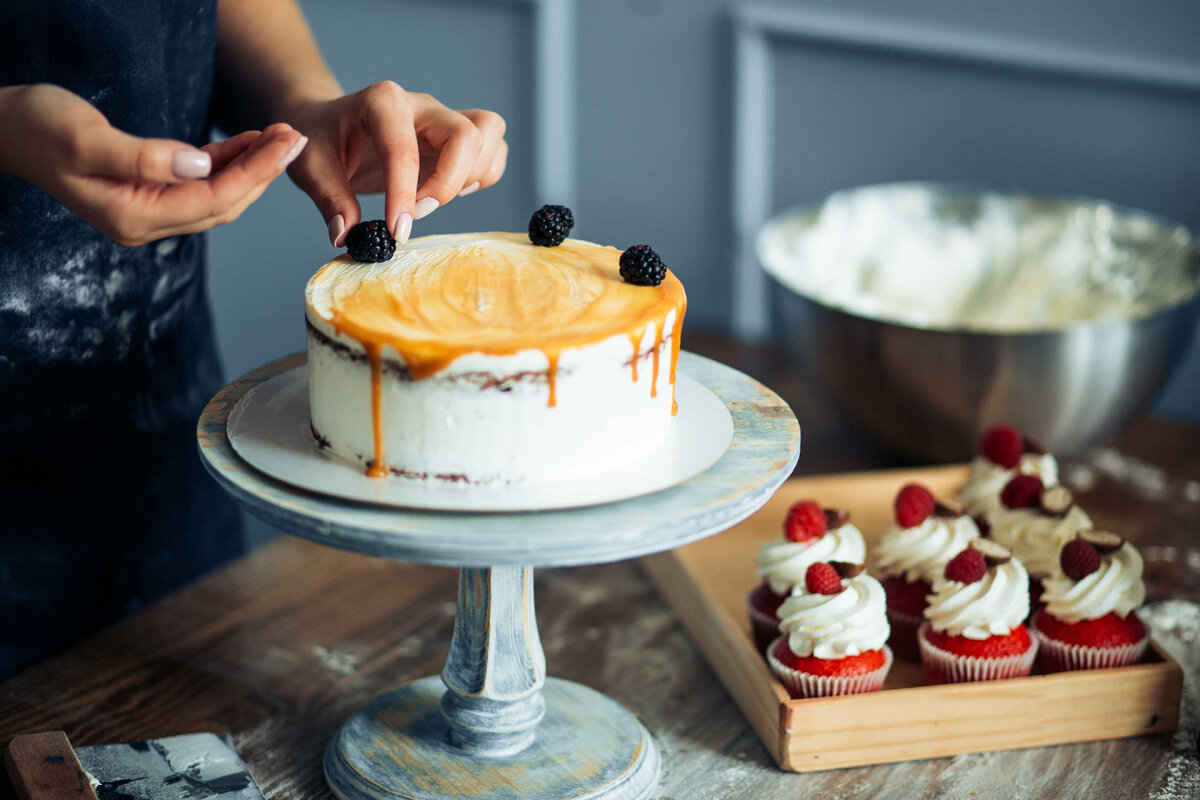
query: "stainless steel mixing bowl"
931, 389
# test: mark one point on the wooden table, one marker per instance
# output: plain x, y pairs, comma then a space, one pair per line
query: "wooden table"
281, 646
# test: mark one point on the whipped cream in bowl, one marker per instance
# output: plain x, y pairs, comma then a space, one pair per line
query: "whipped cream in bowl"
782, 562
849, 623
966, 306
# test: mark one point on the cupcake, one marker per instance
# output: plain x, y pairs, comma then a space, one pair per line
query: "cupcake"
975, 620
912, 553
1003, 454
1089, 621
834, 634
1035, 522
810, 534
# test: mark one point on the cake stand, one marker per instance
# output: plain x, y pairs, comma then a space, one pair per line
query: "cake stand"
492, 725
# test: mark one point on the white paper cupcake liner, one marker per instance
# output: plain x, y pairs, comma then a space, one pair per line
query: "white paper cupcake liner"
802, 684
942, 666
1056, 656
903, 639
764, 626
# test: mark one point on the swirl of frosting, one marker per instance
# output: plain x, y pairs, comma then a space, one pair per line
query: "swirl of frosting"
848, 623
991, 606
1037, 538
921, 552
782, 562
1116, 586
981, 494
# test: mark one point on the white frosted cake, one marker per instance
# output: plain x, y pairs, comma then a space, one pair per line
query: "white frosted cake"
483, 358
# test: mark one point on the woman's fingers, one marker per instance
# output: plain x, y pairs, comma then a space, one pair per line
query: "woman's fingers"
226, 150
496, 169
389, 122
105, 151
491, 126
458, 144
322, 177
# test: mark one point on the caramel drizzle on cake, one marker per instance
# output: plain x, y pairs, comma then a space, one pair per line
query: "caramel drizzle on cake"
443, 297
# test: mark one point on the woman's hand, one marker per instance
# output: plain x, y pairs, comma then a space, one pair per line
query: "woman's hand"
408, 145
134, 190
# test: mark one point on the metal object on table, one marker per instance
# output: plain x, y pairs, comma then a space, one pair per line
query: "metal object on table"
928, 382
500, 728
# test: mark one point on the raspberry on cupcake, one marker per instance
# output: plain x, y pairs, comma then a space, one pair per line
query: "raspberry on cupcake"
975, 620
914, 551
1089, 619
834, 634
1035, 521
1003, 454
810, 534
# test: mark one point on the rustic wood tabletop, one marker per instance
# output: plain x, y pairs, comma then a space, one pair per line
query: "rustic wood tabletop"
280, 647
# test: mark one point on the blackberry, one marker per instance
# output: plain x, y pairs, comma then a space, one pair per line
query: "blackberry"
641, 266
549, 225
370, 241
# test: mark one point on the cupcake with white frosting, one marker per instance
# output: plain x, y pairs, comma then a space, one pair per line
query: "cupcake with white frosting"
835, 631
1004, 453
1035, 522
975, 627
810, 534
912, 553
1089, 619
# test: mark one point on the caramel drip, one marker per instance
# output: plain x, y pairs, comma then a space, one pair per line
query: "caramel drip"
552, 375
676, 339
658, 332
443, 297
378, 466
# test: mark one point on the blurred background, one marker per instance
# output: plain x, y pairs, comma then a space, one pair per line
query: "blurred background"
688, 123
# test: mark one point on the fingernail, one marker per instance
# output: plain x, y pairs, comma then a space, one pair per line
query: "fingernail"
191, 164
337, 226
425, 207
404, 226
290, 155
474, 187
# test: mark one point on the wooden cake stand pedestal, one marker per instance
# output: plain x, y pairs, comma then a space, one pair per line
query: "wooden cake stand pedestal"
492, 725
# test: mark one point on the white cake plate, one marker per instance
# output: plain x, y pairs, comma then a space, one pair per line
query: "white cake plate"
493, 725
269, 428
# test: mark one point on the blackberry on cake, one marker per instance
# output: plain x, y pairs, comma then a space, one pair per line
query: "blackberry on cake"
641, 266
550, 225
370, 242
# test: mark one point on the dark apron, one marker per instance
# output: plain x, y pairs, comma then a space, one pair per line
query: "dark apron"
106, 353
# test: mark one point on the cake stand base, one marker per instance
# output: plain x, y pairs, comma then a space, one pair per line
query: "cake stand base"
399, 747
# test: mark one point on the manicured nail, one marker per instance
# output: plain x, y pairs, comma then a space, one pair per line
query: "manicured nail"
404, 227
474, 187
188, 164
425, 207
290, 155
337, 227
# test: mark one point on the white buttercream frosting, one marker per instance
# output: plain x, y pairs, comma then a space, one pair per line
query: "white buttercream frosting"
1116, 586
991, 606
921, 552
782, 562
981, 494
1037, 538
848, 623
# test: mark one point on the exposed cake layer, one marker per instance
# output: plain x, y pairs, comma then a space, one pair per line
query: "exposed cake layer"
481, 357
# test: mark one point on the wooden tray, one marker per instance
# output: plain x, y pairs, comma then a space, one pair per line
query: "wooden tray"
707, 583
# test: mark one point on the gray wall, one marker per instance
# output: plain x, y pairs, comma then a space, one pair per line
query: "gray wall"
629, 110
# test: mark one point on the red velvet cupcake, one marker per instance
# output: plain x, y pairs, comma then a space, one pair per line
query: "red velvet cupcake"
975, 629
810, 534
834, 633
926, 534
1089, 621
